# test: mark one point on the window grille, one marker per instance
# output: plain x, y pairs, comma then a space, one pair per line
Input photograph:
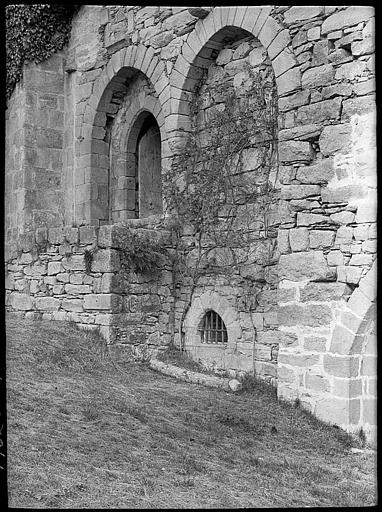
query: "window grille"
212, 329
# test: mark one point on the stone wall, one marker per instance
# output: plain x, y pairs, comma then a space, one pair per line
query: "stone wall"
57, 176
77, 274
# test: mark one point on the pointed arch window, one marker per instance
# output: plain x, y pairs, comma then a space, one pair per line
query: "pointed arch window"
212, 329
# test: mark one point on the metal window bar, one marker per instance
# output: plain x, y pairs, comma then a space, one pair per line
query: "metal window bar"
213, 330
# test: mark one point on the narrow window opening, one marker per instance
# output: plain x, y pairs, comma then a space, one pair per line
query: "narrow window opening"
212, 329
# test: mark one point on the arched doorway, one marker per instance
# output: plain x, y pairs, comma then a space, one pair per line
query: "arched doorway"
148, 183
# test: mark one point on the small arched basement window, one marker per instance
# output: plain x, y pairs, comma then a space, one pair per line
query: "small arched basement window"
212, 329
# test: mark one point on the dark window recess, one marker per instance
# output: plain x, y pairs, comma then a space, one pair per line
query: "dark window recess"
212, 329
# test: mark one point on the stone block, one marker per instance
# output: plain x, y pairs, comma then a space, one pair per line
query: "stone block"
224, 57
286, 374
300, 13
71, 235
367, 211
47, 304
299, 191
321, 239
333, 410
294, 100
320, 172
305, 132
107, 301
343, 218
320, 112
304, 266
342, 194
318, 76
87, 234
344, 235
311, 316
58, 289
346, 18
54, 267
72, 305
295, 151
299, 239
74, 262
55, 235
63, 277
370, 411
350, 275
296, 359
283, 241
335, 139
351, 70
77, 289
311, 219
106, 260
76, 279
21, 301
324, 292
315, 343
317, 383
289, 81
341, 365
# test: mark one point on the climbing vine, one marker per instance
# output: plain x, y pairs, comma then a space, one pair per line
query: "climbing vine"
34, 32
222, 186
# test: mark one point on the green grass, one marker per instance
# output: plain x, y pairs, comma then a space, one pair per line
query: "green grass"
86, 432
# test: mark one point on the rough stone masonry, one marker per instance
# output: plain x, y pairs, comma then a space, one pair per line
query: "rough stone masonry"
76, 125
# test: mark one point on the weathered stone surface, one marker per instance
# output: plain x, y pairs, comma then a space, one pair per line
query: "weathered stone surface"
294, 100
323, 292
299, 239
335, 139
302, 13
341, 366
343, 218
342, 194
312, 316
54, 267
283, 241
74, 262
87, 234
319, 239
358, 106
75, 289
317, 383
320, 172
289, 81
47, 304
303, 266
318, 76
105, 260
298, 359
315, 343
21, 301
299, 191
351, 70
346, 18
310, 219
327, 110
257, 56
305, 132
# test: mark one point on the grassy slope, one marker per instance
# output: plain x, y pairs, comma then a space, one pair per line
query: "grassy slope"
84, 432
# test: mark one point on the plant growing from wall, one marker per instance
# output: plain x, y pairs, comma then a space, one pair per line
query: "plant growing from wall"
140, 250
222, 186
34, 32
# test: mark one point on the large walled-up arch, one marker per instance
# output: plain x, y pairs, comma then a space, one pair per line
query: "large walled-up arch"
314, 329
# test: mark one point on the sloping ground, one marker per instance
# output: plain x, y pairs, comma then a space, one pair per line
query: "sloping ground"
84, 432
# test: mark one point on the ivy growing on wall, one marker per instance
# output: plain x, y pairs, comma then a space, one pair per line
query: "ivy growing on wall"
33, 33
